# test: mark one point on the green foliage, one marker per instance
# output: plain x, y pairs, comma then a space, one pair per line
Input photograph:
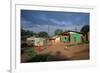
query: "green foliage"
43, 34
85, 29
26, 33
39, 58
30, 52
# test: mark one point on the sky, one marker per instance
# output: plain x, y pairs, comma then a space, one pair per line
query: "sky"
49, 21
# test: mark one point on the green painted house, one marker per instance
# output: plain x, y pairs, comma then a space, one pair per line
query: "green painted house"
71, 37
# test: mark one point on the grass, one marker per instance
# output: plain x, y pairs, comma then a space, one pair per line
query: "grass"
30, 52
36, 57
39, 58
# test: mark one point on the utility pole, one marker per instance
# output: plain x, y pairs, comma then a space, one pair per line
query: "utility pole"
75, 28
48, 29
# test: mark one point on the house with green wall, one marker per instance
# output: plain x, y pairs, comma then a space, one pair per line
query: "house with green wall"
71, 37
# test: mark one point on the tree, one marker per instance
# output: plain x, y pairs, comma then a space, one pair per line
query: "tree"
43, 34
26, 33
85, 30
33, 33
58, 31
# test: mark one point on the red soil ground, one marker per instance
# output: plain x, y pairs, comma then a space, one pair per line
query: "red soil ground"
76, 52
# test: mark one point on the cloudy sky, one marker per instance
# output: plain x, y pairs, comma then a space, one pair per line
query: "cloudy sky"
43, 20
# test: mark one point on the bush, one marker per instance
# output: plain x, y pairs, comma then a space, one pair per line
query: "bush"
39, 58
30, 52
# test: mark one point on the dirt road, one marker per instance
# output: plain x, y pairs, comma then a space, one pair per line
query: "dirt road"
78, 52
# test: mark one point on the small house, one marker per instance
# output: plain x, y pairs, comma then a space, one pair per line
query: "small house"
65, 37
56, 39
75, 37
30, 40
71, 37
37, 41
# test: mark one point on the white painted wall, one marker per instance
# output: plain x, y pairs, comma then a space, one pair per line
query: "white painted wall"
57, 40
